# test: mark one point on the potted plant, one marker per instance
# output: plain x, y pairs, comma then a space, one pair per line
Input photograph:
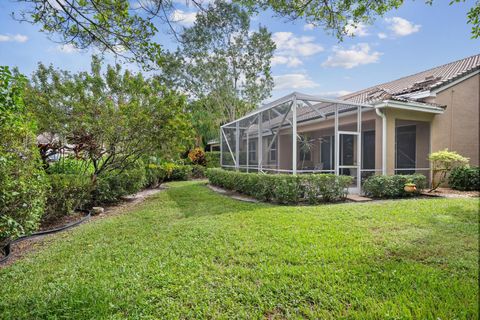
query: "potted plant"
410, 187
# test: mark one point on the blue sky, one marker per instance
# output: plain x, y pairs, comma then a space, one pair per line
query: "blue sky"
411, 39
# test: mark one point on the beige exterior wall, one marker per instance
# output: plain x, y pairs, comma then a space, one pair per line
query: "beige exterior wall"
458, 127
396, 115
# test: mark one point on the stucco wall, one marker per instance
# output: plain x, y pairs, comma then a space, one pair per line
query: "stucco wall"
458, 127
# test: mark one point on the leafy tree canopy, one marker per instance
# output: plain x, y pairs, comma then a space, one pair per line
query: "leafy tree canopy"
336, 15
109, 119
128, 28
223, 65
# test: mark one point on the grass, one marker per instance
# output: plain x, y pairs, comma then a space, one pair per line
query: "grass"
191, 253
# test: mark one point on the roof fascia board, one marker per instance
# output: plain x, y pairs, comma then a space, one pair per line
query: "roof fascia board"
409, 106
453, 83
417, 95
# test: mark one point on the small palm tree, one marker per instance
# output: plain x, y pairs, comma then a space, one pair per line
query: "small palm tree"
306, 146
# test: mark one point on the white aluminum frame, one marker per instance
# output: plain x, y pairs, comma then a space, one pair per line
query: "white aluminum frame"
295, 99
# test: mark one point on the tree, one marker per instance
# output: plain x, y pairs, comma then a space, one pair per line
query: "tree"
109, 119
443, 162
22, 184
336, 16
222, 64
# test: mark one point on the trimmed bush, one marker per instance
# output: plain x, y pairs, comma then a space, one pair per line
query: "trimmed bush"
380, 186
110, 187
326, 187
155, 174
213, 159
465, 178
198, 172
67, 192
176, 172
283, 188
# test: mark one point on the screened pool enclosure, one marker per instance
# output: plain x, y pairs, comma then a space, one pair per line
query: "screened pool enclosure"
301, 133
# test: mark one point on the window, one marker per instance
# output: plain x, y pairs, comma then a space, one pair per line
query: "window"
252, 151
368, 150
405, 148
272, 155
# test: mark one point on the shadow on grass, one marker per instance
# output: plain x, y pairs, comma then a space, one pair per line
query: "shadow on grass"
194, 199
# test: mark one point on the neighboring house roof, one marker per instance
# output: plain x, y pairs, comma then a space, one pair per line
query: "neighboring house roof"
423, 81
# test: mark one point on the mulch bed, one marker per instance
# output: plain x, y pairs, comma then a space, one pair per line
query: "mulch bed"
451, 193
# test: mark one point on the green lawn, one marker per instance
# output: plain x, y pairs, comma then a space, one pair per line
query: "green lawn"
191, 253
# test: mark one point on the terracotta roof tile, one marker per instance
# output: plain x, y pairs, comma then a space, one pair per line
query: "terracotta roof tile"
425, 80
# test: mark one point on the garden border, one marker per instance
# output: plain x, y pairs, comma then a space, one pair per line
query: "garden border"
7, 247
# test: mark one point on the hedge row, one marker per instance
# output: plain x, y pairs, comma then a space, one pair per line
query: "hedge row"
213, 159
283, 188
465, 178
393, 186
72, 188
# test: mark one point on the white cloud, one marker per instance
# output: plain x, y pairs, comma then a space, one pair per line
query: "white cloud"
184, 18
402, 27
67, 48
289, 61
290, 48
349, 58
294, 81
13, 38
308, 26
357, 30
382, 35
290, 45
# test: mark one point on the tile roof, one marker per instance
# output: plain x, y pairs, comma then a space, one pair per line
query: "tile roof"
397, 90
422, 81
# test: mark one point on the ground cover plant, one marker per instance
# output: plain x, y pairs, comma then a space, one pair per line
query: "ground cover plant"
191, 253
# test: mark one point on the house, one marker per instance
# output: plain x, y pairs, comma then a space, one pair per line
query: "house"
390, 128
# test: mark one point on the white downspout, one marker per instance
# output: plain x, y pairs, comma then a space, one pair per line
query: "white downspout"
384, 139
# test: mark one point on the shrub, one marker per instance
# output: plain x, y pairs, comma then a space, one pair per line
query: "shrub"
22, 179
213, 159
198, 171
155, 174
66, 193
283, 188
176, 172
443, 162
380, 186
465, 178
111, 186
197, 156
326, 187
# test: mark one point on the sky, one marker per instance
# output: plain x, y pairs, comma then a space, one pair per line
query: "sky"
412, 39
